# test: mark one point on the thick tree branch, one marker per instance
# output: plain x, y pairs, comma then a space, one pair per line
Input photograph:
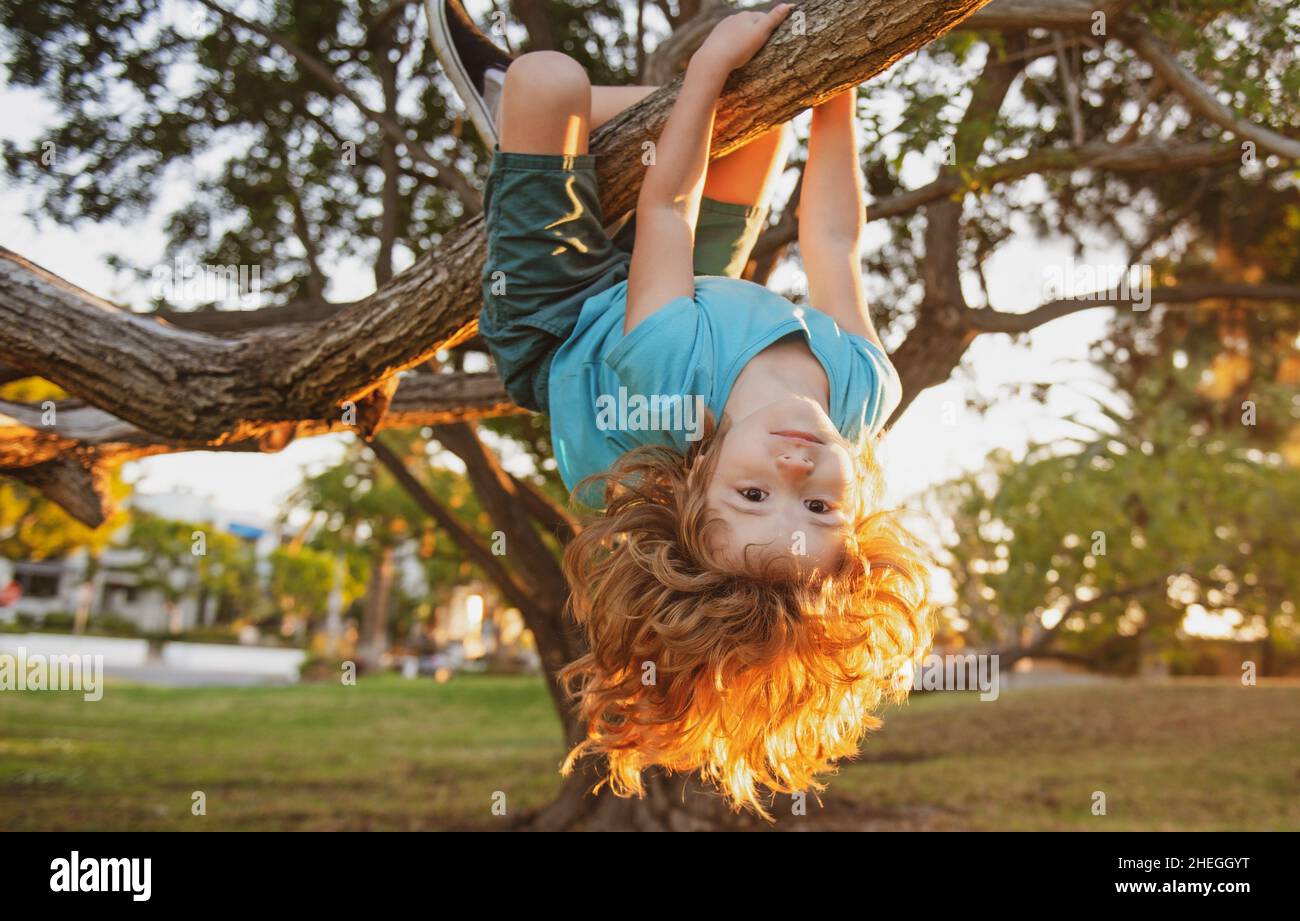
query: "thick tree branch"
420, 400
1203, 99
67, 460
845, 43
671, 55
76, 484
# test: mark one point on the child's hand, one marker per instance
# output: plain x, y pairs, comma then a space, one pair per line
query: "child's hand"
738, 37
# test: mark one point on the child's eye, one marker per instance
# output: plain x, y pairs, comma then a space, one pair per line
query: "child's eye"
753, 494
817, 506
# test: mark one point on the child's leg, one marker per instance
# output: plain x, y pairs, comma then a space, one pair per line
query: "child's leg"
733, 211
548, 252
545, 105
550, 106
608, 101
746, 176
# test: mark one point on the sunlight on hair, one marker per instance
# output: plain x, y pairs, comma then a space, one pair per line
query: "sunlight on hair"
762, 680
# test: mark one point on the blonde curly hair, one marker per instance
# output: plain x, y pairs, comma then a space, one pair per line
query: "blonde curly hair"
760, 678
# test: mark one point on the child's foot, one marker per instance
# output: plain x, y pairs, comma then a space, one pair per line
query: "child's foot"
475, 66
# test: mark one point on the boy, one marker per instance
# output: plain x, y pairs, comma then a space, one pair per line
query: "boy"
746, 602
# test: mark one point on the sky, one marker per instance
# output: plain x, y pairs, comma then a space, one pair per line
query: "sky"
938, 438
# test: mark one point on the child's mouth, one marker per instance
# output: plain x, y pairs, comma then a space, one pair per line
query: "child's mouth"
808, 437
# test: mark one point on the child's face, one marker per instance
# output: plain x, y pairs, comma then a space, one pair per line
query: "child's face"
783, 482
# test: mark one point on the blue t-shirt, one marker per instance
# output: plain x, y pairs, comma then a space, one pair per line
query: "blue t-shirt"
610, 393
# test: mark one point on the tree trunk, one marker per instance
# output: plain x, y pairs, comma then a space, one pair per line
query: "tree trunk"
374, 622
672, 803
175, 622
528, 575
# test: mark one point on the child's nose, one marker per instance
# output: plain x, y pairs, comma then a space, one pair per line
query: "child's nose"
794, 465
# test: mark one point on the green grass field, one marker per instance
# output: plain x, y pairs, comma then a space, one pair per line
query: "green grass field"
395, 754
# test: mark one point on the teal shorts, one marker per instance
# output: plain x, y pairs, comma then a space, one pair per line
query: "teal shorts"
548, 252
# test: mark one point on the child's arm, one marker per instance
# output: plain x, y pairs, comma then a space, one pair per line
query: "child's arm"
662, 265
832, 216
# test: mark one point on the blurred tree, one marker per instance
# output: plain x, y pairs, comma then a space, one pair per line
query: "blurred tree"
359, 510
301, 581
311, 112
1188, 483
182, 559
1068, 554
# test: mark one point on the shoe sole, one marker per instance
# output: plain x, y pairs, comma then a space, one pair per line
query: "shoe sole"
444, 49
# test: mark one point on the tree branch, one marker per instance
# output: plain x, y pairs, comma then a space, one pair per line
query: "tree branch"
1042, 643
541, 617
420, 400
445, 174
1203, 99
670, 55
552, 517
302, 229
1096, 155
66, 461
199, 388
1062, 15
996, 321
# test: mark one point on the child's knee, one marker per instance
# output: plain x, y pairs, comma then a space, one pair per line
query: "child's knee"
551, 77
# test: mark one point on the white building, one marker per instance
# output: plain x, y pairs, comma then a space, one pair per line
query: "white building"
61, 586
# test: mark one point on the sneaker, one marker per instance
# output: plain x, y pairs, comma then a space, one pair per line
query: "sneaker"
475, 66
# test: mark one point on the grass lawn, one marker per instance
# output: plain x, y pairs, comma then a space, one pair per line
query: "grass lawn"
396, 754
